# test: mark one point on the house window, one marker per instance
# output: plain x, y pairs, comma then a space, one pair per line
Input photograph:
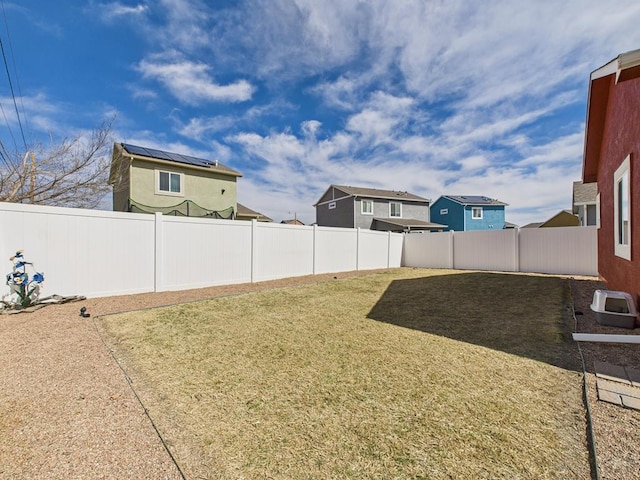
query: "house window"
476, 213
366, 207
332, 205
169, 183
590, 215
395, 209
444, 211
622, 211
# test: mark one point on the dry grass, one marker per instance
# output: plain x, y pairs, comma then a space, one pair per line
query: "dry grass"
405, 374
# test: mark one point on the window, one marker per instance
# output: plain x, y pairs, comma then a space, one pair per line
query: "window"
444, 211
476, 213
622, 211
366, 207
590, 215
169, 183
332, 205
395, 209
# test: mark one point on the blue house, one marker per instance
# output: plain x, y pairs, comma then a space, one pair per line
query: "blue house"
465, 213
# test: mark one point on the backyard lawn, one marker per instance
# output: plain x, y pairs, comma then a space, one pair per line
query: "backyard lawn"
412, 373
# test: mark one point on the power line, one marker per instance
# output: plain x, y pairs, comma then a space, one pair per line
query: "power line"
15, 104
6, 120
13, 63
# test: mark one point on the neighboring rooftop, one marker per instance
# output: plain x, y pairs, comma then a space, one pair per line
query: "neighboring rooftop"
408, 224
564, 218
244, 212
474, 200
584, 193
292, 221
533, 225
379, 193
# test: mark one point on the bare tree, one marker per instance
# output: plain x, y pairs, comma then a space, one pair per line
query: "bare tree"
72, 173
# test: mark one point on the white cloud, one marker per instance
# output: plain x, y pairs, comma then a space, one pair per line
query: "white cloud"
191, 83
310, 128
112, 11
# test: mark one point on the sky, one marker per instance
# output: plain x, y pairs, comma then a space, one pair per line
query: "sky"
454, 97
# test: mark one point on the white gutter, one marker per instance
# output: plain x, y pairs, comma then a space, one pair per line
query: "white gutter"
606, 338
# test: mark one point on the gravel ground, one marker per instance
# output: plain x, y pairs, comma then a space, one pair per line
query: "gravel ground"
616, 429
67, 411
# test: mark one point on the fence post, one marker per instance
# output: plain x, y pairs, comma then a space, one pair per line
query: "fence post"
315, 245
254, 246
159, 244
516, 249
388, 248
358, 249
451, 252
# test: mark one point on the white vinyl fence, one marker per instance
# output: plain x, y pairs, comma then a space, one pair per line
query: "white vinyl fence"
99, 253
562, 250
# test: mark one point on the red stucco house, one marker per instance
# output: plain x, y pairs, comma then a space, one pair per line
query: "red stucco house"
612, 159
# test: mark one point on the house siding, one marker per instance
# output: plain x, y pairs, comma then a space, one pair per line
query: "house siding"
459, 217
492, 218
453, 219
120, 195
381, 210
203, 188
415, 210
341, 215
365, 221
621, 138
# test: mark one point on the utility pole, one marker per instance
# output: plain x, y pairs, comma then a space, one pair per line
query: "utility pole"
33, 177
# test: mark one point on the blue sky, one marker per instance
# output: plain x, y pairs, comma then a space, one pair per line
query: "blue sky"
432, 97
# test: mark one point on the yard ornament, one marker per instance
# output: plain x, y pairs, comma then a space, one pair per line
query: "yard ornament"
25, 289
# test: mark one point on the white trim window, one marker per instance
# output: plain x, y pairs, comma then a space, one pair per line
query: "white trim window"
169, 183
622, 210
331, 205
395, 209
366, 207
476, 213
444, 211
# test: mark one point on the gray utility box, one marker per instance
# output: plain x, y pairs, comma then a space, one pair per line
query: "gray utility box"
616, 309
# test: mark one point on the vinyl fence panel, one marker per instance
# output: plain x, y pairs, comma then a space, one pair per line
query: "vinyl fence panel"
563, 250
336, 249
396, 241
485, 250
373, 249
201, 252
428, 250
80, 252
281, 251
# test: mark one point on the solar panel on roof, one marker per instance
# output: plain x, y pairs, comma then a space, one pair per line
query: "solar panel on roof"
162, 155
135, 150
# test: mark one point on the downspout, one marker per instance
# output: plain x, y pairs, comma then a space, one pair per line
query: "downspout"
464, 219
354, 211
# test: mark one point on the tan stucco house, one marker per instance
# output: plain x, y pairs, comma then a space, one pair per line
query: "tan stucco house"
149, 180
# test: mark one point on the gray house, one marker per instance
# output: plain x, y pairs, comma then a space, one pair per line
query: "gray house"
585, 202
374, 209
